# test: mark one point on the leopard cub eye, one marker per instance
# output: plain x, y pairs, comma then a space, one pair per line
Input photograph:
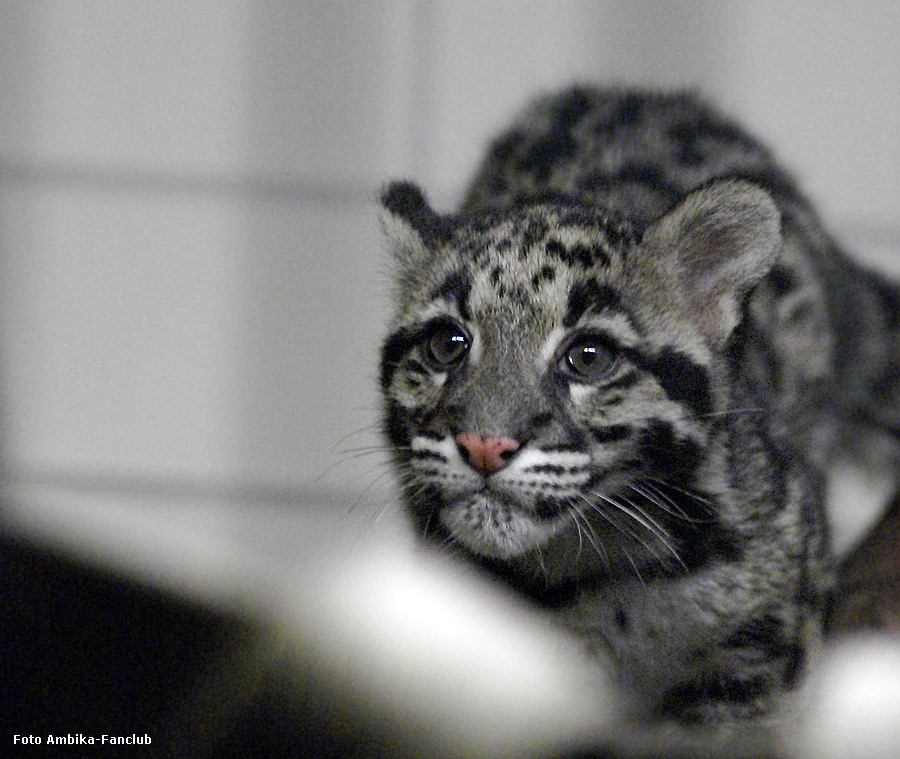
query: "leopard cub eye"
445, 346
587, 359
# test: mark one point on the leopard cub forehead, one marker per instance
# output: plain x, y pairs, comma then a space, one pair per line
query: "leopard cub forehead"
534, 257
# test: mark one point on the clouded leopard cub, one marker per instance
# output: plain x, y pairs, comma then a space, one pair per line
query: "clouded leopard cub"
615, 378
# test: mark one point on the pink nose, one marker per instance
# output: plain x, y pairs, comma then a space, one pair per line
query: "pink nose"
487, 454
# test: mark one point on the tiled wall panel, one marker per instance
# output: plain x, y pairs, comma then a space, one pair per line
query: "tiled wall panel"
188, 336
314, 89
119, 327
312, 309
193, 278
814, 80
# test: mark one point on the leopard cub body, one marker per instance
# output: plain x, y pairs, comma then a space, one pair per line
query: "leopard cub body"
616, 378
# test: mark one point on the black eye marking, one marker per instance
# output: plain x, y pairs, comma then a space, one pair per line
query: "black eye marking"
455, 287
590, 294
588, 358
445, 345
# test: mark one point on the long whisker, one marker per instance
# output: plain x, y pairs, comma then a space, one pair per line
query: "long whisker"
638, 515
672, 486
367, 489
432, 513
657, 530
663, 502
542, 565
647, 522
619, 528
573, 510
660, 485
733, 412
374, 427
582, 521
351, 456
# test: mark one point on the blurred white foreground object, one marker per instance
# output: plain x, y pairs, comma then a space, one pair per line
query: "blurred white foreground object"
855, 708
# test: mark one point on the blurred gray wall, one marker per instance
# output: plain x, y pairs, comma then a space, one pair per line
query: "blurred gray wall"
193, 283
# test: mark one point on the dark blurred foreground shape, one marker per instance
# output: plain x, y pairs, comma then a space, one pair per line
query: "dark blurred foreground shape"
85, 651
88, 653
868, 593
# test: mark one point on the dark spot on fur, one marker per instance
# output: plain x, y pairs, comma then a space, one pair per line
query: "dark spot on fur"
686, 701
599, 255
760, 632
625, 114
612, 434
696, 137
546, 508
555, 248
426, 455
723, 131
549, 469
582, 254
883, 386
571, 108
393, 351
685, 137
395, 426
628, 379
689, 517
545, 274
781, 280
682, 380
562, 448
576, 255
888, 299
505, 147
535, 231
666, 453
539, 420
795, 666
546, 153
589, 294
650, 176
629, 110
767, 635
455, 287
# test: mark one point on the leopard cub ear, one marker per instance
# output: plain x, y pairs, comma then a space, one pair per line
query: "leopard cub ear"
719, 243
414, 231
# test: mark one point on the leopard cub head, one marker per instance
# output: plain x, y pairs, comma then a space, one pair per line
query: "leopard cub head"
551, 374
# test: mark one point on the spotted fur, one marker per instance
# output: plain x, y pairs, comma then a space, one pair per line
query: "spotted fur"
638, 297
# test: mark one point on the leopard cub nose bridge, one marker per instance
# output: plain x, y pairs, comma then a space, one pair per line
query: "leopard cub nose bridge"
485, 454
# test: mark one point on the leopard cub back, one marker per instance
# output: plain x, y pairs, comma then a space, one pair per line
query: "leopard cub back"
609, 381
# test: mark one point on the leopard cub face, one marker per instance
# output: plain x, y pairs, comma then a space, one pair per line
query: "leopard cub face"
550, 381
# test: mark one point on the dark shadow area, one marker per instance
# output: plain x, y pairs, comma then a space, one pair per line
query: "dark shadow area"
868, 588
87, 653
